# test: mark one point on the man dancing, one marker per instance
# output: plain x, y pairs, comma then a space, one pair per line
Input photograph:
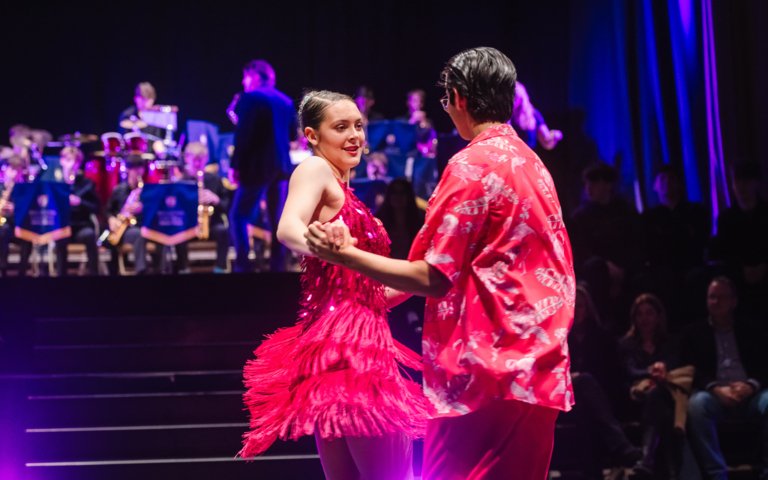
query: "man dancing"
495, 261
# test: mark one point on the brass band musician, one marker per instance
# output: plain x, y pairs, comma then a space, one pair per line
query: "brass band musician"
213, 193
14, 171
84, 206
124, 211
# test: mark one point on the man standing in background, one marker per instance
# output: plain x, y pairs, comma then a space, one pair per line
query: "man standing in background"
261, 164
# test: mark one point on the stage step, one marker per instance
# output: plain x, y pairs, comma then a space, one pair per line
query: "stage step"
146, 441
123, 382
268, 467
97, 387
142, 357
187, 329
85, 410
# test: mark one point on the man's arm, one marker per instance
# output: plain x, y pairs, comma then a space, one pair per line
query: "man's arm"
417, 277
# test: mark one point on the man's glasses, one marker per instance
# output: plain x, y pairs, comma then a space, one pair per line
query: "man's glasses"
444, 102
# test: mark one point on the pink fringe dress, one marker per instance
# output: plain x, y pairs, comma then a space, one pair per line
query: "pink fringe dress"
337, 371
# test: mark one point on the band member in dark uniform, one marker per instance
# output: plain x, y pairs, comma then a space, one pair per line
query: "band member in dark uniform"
212, 193
124, 211
14, 171
143, 99
261, 164
84, 205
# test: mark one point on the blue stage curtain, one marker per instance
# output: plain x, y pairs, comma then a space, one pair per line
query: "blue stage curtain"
637, 71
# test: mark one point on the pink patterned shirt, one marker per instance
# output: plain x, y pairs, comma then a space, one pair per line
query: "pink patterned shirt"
494, 227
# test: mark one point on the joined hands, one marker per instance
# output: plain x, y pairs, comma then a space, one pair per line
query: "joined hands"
329, 241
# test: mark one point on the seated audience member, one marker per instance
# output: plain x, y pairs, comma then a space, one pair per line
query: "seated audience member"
401, 216
676, 236
84, 206
14, 171
213, 193
605, 235
731, 370
742, 236
593, 369
648, 355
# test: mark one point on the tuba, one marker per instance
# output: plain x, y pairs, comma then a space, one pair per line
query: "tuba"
126, 219
204, 212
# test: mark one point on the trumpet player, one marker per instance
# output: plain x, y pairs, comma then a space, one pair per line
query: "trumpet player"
212, 193
13, 172
84, 205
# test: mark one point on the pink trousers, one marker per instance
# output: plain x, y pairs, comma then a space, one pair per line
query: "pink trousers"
504, 440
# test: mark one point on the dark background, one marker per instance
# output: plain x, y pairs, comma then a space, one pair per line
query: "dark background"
73, 66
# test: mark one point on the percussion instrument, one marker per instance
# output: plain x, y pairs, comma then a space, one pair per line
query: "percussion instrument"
135, 142
76, 139
113, 144
160, 171
105, 172
133, 123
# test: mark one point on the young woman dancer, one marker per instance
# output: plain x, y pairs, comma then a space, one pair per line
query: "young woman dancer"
336, 373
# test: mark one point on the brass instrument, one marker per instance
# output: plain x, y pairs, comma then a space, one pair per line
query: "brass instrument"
5, 199
126, 219
204, 212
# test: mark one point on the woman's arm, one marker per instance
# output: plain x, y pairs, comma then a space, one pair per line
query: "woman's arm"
305, 192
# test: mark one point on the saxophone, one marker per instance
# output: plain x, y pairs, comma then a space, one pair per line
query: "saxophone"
204, 212
5, 198
126, 219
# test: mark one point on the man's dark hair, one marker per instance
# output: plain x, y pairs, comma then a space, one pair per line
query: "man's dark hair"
745, 170
486, 78
671, 171
262, 68
364, 91
599, 171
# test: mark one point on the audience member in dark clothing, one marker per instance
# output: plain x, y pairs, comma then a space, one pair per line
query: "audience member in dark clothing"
402, 219
677, 231
605, 233
742, 236
648, 355
401, 216
730, 381
592, 369
676, 238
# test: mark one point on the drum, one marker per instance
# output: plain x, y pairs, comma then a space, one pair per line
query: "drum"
113, 144
136, 142
105, 174
160, 171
